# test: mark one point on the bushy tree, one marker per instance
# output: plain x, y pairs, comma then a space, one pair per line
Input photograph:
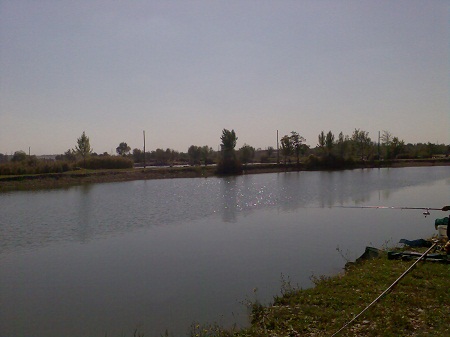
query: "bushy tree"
386, 137
286, 147
195, 154
70, 155
138, 155
19, 156
207, 152
392, 146
123, 149
247, 153
171, 155
291, 145
397, 146
297, 145
361, 141
160, 157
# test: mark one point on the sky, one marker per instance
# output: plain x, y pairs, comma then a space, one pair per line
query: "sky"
185, 70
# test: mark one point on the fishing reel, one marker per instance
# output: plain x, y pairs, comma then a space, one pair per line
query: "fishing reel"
427, 212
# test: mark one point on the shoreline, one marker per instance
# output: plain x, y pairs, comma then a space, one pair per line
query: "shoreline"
81, 177
333, 301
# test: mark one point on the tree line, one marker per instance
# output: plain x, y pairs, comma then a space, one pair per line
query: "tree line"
331, 151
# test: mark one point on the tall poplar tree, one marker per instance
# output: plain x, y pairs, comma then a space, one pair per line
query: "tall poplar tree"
83, 147
329, 142
228, 164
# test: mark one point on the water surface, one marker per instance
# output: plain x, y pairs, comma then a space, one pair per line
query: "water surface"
161, 254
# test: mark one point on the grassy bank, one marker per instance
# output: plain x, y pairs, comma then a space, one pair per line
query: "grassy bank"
79, 177
82, 176
418, 306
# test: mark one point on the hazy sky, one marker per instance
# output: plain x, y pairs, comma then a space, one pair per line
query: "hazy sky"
184, 70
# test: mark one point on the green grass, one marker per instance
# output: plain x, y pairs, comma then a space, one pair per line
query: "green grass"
418, 306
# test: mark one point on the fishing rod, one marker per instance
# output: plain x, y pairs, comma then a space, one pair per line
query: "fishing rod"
387, 290
425, 209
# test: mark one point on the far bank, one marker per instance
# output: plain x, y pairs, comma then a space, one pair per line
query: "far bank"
79, 177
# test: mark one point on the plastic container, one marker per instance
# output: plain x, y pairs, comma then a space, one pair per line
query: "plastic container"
442, 231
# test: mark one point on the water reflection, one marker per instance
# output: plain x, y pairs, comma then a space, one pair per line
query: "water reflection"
33, 219
230, 199
84, 230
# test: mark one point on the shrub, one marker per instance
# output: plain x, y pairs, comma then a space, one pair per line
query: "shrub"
229, 166
312, 162
331, 162
34, 167
108, 162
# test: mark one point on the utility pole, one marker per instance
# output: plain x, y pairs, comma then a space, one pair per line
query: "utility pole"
278, 151
144, 147
379, 145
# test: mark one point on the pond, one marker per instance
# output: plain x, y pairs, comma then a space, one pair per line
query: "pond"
157, 255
